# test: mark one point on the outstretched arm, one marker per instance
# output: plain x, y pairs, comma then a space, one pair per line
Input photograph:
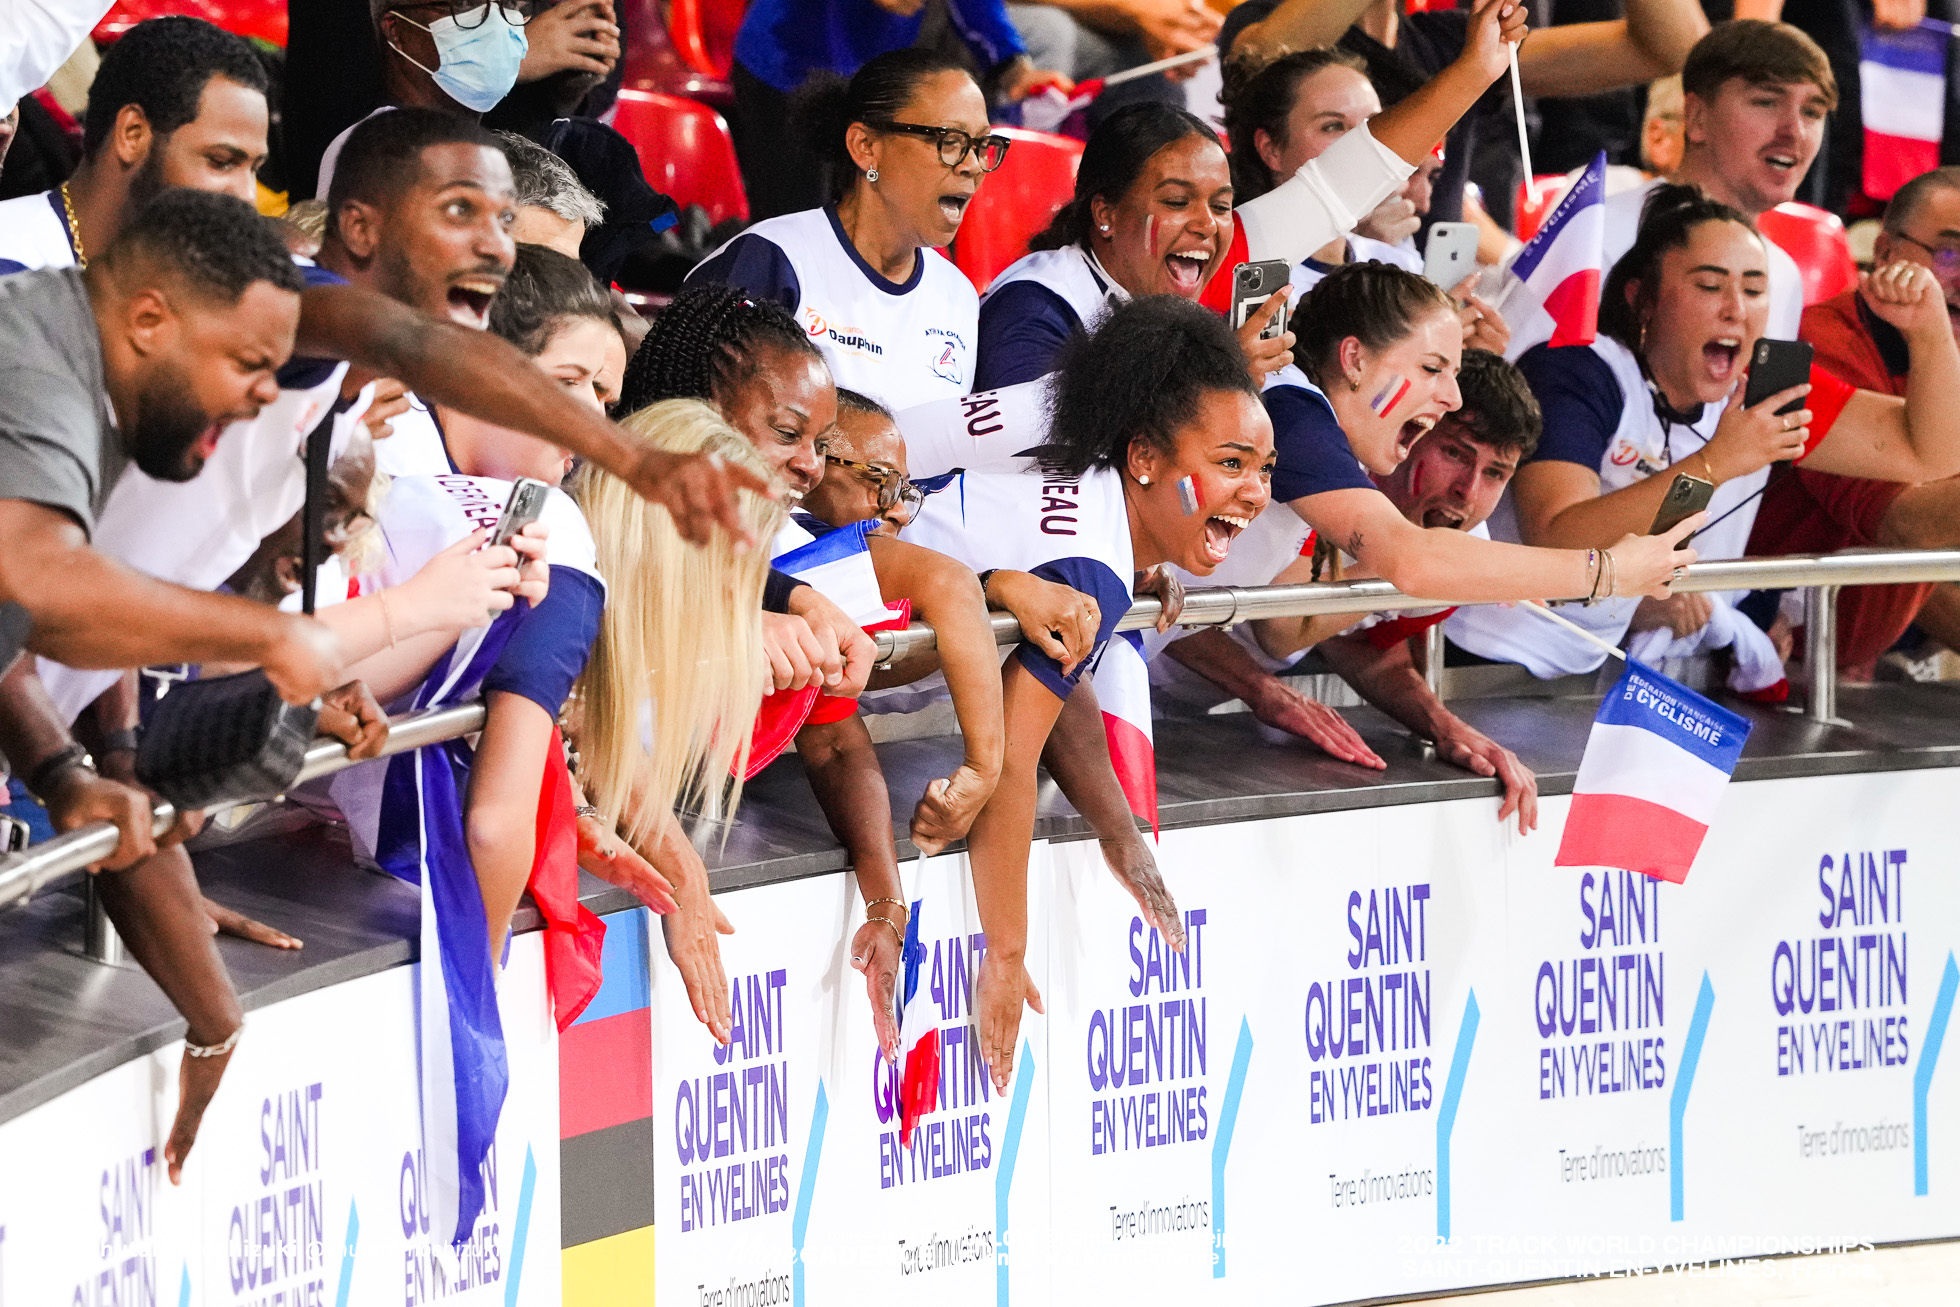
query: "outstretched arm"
1652, 41
474, 372
1077, 757
91, 611
945, 594
1390, 680
998, 850
1224, 662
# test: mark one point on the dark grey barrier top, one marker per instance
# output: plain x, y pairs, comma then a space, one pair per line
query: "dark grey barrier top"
65, 1019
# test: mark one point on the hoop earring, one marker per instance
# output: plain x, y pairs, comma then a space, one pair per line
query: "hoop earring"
871, 175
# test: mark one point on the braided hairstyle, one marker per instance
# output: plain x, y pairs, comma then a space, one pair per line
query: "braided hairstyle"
704, 343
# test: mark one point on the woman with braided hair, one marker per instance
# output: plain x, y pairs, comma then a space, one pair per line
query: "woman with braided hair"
749, 359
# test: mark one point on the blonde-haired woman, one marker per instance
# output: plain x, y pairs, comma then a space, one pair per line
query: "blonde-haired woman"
680, 650
661, 713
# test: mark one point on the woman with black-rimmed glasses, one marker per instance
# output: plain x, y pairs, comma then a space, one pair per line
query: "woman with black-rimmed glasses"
905, 143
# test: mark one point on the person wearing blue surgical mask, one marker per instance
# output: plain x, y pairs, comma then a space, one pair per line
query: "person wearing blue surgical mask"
469, 53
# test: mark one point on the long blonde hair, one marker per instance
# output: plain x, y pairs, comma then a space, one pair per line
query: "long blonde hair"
680, 639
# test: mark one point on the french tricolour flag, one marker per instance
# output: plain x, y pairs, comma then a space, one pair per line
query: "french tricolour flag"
838, 564
1552, 288
1122, 680
1902, 95
1659, 757
918, 1036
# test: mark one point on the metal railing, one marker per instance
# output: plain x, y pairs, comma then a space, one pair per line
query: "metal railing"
1820, 577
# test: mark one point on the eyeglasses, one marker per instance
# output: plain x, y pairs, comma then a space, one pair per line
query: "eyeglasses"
893, 487
472, 14
1946, 259
954, 144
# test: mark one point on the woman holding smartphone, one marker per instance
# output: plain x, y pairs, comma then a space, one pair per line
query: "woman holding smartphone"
1153, 212
1658, 394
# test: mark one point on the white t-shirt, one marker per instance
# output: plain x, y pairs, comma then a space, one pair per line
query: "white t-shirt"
903, 343
414, 447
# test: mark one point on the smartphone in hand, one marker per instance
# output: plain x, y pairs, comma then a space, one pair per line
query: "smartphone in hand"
1777, 365
526, 501
1686, 497
1252, 285
1451, 254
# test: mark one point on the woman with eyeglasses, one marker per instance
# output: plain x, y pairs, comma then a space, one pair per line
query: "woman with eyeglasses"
905, 144
751, 361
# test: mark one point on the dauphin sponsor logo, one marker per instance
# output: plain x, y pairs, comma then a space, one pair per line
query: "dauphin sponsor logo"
843, 339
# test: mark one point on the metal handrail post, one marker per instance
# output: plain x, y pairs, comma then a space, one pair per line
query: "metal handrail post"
100, 942
1820, 651
1432, 659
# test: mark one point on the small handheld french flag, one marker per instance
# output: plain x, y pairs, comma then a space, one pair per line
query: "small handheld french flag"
1551, 291
1656, 764
918, 1036
1902, 99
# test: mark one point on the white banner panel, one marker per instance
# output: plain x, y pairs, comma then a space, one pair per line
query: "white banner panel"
302, 1189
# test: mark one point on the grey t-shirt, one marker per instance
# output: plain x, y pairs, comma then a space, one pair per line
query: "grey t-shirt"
58, 443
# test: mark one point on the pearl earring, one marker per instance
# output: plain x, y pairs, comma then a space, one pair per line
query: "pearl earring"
1104, 229
1143, 481
871, 175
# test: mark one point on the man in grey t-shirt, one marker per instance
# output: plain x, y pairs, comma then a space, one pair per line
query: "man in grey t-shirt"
144, 356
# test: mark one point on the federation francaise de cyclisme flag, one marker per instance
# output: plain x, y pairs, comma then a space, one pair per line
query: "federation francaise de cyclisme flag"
1659, 757
1552, 288
1902, 99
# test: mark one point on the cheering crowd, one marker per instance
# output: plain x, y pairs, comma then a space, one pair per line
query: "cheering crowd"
236, 443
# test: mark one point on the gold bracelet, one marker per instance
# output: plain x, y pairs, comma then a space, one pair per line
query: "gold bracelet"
870, 917
900, 902
1707, 466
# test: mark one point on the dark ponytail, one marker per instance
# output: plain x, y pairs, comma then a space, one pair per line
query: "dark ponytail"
827, 105
1117, 153
703, 342
1667, 220
1141, 375
1378, 304
1260, 98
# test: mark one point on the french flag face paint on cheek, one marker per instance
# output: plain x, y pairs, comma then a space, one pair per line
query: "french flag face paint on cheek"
1393, 392
1189, 497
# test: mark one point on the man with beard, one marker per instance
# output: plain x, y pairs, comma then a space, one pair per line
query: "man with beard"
176, 328
1805, 511
1451, 481
176, 102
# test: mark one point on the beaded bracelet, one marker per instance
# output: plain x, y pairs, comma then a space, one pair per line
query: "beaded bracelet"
215, 1050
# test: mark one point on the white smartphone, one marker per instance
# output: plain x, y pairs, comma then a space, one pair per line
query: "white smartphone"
1451, 254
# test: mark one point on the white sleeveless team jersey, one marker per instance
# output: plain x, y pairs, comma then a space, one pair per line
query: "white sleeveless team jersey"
34, 234
901, 343
1070, 272
1642, 446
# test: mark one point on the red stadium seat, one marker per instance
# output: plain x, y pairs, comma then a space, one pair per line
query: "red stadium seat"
1531, 216
651, 63
704, 33
1815, 239
1016, 202
264, 19
685, 150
